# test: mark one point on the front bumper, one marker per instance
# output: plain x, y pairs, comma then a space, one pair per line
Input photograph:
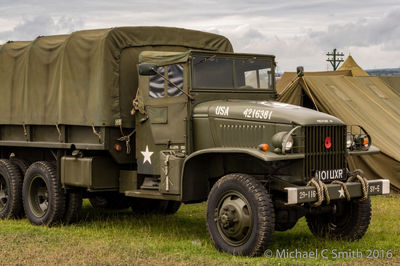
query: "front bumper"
308, 194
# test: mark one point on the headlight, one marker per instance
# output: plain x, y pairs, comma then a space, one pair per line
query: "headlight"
349, 140
357, 141
287, 142
361, 142
283, 141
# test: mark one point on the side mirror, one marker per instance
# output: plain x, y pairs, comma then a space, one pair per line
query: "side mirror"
147, 69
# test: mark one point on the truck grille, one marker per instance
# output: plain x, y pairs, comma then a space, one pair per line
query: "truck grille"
317, 155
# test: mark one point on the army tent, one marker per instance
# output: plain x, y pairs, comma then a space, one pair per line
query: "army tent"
85, 78
356, 70
393, 82
365, 101
289, 77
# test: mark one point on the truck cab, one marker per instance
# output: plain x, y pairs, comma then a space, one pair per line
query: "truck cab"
209, 129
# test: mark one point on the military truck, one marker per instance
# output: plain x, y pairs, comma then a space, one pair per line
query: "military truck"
150, 117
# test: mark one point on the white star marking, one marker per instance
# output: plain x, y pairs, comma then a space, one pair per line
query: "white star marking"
147, 155
341, 192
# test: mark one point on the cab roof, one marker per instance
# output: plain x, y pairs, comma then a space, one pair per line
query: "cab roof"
161, 58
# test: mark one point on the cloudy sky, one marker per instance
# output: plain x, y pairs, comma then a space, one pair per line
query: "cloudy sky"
297, 32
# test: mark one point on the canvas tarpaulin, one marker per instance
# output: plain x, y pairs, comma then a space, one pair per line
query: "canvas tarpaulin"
365, 101
393, 82
163, 58
87, 77
289, 77
355, 69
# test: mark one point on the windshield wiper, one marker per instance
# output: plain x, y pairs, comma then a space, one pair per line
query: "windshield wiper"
206, 59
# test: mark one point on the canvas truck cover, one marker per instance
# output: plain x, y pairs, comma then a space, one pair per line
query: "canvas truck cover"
85, 78
365, 101
163, 58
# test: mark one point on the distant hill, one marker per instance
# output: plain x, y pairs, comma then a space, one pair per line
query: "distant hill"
384, 72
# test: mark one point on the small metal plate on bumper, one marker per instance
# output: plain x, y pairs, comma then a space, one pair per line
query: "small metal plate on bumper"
296, 195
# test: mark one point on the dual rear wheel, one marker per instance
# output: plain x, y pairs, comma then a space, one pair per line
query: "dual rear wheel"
10, 190
43, 197
37, 192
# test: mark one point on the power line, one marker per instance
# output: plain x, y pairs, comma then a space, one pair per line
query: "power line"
336, 59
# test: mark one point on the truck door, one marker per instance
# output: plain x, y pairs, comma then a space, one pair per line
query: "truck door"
163, 124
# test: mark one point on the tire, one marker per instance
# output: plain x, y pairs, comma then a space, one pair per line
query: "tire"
240, 215
173, 207
10, 191
73, 206
110, 201
43, 197
22, 165
149, 206
349, 224
284, 226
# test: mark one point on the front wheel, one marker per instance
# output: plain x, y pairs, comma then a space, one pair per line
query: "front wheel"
240, 215
350, 222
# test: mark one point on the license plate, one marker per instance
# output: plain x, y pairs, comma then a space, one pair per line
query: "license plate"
330, 175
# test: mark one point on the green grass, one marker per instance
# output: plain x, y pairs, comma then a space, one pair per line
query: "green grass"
121, 238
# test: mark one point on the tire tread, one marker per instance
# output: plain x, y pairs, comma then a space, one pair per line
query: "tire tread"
15, 209
265, 210
56, 207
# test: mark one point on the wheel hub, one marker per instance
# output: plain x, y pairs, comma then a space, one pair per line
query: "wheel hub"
233, 217
229, 217
38, 196
3, 193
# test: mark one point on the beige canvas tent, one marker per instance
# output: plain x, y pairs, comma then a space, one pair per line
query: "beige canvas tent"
289, 77
393, 82
357, 100
351, 65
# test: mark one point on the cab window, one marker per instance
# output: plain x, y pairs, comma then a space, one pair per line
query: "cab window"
175, 75
168, 83
156, 86
232, 73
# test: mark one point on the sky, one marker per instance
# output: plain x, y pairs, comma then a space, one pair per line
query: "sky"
298, 33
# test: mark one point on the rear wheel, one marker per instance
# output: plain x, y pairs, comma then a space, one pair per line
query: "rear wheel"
44, 200
110, 201
10, 191
149, 206
73, 206
22, 165
172, 207
350, 222
285, 226
240, 215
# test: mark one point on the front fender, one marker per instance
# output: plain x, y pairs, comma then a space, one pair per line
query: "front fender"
265, 156
200, 167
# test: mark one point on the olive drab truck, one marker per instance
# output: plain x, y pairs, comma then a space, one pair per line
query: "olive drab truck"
150, 117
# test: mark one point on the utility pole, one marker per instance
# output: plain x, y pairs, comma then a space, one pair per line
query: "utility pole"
336, 59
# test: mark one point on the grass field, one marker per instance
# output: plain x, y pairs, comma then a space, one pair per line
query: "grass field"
121, 238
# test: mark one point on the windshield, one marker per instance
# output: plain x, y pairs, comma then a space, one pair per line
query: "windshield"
240, 73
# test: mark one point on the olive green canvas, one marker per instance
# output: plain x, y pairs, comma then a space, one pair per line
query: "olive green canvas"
88, 77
